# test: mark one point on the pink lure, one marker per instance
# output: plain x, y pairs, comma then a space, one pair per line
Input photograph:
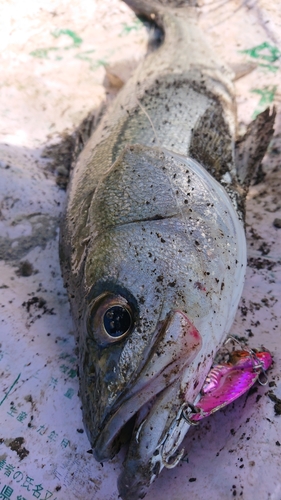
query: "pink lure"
227, 381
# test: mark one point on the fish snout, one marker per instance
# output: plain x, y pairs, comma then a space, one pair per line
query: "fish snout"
160, 426
177, 345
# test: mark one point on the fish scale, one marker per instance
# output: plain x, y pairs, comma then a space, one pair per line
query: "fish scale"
171, 120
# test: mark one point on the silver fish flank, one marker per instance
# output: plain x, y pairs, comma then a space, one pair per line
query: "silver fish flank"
152, 245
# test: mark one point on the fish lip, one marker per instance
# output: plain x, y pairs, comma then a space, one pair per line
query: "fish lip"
149, 385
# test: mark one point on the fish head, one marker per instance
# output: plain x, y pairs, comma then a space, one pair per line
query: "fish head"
147, 334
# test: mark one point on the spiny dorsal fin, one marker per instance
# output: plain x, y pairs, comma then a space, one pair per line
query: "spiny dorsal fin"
211, 143
251, 148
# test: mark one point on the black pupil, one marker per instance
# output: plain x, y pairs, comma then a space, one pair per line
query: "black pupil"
117, 321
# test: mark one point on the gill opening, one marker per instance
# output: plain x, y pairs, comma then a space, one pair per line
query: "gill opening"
160, 148
172, 187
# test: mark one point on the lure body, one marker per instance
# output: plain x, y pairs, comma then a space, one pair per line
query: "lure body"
228, 381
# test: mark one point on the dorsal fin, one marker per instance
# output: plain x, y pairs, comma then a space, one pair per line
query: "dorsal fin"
211, 145
251, 148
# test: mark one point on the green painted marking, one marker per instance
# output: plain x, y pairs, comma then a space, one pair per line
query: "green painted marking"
270, 67
8, 392
264, 51
77, 40
84, 55
97, 64
69, 393
65, 442
42, 53
267, 95
127, 28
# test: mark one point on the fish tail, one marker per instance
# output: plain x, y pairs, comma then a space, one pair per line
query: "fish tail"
178, 21
155, 10
154, 7
185, 51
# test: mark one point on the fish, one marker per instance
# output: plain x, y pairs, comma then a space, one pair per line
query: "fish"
152, 245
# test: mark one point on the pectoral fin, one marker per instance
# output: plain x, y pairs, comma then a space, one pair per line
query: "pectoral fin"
211, 143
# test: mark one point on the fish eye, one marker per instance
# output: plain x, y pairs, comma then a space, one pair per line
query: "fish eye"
117, 321
110, 318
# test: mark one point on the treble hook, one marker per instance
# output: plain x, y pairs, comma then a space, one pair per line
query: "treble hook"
186, 407
177, 459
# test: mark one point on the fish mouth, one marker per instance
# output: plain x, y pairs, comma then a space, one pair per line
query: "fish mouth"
151, 404
158, 433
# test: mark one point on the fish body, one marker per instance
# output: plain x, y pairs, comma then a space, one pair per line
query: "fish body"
152, 247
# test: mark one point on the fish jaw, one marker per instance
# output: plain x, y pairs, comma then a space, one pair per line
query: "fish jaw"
177, 345
158, 434
148, 450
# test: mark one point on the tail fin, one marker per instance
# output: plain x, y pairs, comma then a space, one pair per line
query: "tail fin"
149, 8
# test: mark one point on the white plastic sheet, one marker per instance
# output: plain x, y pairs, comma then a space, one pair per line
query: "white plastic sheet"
53, 57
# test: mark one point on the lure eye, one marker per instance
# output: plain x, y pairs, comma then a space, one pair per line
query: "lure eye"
110, 318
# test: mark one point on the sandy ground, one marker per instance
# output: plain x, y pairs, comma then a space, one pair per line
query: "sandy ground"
53, 57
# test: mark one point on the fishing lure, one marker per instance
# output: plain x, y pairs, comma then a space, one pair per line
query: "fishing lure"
228, 381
